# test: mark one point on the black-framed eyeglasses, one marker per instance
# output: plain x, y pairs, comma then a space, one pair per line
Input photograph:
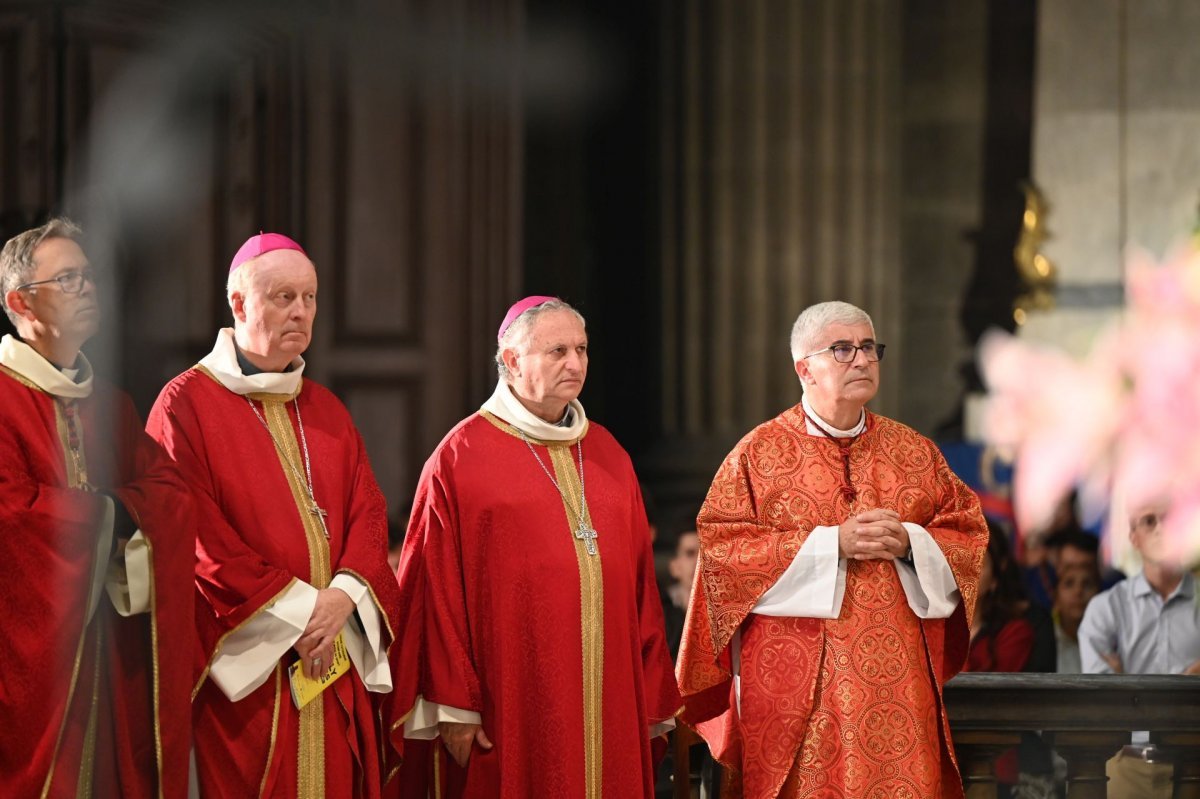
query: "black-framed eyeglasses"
845, 353
70, 282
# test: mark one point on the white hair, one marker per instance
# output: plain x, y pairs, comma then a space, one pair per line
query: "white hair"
813, 320
238, 281
517, 334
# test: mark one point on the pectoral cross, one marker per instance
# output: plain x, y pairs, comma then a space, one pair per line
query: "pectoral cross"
320, 513
588, 536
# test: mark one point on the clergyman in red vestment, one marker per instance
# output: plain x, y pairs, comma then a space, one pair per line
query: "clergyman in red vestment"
291, 548
95, 606
528, 571
838, 564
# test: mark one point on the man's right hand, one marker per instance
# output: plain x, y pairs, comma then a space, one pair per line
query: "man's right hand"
459, 738
872, 535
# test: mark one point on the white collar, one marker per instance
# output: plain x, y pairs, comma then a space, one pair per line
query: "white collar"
222, 362
504, 404
28, 362
816, 425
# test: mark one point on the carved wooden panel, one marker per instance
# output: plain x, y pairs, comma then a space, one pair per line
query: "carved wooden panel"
388, 413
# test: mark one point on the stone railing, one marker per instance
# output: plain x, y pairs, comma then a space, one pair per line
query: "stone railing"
1086, 718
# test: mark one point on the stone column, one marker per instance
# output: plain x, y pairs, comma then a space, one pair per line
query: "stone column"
780, 186
1115, 149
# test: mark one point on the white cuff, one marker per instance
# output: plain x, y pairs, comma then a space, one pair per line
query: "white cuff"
422, 722
929, 583
128, 581
813, 584
246, 658
366, 648
661, 728
104, 537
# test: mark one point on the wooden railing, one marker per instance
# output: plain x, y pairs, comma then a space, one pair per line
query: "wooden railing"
1086, 718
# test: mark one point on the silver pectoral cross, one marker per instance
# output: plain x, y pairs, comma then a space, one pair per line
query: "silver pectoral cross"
588, 536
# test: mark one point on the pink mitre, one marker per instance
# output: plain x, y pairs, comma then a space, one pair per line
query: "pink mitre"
263, 243
520, 307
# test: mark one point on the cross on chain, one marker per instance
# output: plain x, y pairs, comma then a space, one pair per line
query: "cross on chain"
588, 536
320, 513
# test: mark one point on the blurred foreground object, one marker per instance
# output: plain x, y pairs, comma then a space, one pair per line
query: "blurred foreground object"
1122, 423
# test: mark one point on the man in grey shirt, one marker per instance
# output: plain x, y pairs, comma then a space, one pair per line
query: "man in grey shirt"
1148, 624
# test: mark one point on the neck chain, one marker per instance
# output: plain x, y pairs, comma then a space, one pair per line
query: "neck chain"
582, 531
313, 508
848, 490
75, 443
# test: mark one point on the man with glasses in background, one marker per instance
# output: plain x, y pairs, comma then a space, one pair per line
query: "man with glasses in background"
92, 538
838, 564
1147, 624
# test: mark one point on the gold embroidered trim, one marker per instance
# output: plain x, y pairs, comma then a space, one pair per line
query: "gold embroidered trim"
66, 712
310, 761
87, 759
378, 605
22, 379
158, 747
221, 640
72, 482
512, 431
310, 767
400, 723
74, 460
261, 396
591, 595
262, 786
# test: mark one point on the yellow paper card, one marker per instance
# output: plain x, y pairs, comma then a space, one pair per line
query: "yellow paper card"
304, 689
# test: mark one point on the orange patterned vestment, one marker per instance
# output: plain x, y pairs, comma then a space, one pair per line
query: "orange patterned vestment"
847, 707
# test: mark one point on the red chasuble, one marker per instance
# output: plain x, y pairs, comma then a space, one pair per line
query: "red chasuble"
253, 541
846, 707
90, 706
561, 652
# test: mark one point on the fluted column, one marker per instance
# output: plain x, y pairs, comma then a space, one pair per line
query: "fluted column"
780, 188
781, 191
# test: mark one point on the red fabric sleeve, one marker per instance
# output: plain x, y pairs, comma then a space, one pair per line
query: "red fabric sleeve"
233, 582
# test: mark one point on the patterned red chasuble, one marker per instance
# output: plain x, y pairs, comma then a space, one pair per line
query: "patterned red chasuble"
846, 707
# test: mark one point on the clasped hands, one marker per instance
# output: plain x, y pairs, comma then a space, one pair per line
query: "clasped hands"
315, 645
873, 535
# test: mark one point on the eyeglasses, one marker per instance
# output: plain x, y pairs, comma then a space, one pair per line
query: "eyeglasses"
70, 282
845, 353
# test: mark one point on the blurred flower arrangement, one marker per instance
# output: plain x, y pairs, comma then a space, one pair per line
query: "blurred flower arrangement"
1122, 422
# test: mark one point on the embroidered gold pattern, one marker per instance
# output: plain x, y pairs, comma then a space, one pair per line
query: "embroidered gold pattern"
73, 481
262, 786
221, 641
87, 762
591, 594
158, 747
311, 756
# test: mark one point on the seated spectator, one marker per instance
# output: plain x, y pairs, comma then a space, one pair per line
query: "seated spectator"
1077, 584
1008, 633
1148, 624
683, 570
